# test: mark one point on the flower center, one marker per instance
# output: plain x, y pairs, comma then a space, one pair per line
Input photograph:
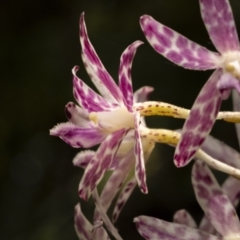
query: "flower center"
231, 63
114, 120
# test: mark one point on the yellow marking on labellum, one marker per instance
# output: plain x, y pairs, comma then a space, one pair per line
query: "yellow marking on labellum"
160, 135
166, 109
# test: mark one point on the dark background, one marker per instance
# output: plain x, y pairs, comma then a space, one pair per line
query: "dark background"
39, 46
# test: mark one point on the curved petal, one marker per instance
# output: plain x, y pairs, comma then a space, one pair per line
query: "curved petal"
138, 151
96, 65
86, 97
177, 48
183, 217
155, 229
99, 233
124, 73
231, 187
214, 202
77, 115
218, 19
130, 184
199, 122
82, 226
83, 158
100, 163
78, 137
141, 95
115, 181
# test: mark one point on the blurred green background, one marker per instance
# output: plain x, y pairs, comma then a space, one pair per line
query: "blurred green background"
39, 46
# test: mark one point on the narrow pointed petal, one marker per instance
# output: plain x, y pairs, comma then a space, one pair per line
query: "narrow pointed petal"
86, 97
155, 229
141, 95
115, 181
124, 73
105, 93
123, 197
95, 63
221, 151
236, 107
231, 187
131, 183
78, 137
82, 226
177, 48
218, 19
183, 217
77, 115
83, 158
227, 81
138, 151
199, 122
214, 202
100, 163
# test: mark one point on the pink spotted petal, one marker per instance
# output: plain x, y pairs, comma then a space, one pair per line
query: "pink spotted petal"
138, 151
218, 19
155, 229
123, 197
214, 202
183, 217
227, 81
236, 107
100, 163
96, 65
199, 122
131, 183
82, 226
105, 93
77, 115
231, 187
86, 97
141, 95
83, 158
78, 137
115, 181
124, 73
221, 151
177, 48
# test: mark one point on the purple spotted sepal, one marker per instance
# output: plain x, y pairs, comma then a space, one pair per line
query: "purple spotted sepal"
214, 202
199, 122
155, 229
100, 163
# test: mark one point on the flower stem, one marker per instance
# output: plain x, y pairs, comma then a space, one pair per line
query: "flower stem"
104, 216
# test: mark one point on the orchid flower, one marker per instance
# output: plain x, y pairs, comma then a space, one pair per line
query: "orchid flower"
104, 118
215, 204
218, 19
122, 165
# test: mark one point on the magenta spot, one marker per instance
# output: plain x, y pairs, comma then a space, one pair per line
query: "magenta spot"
163, 40
182, 42
159, 48
168, 31
174, 56
193, 120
